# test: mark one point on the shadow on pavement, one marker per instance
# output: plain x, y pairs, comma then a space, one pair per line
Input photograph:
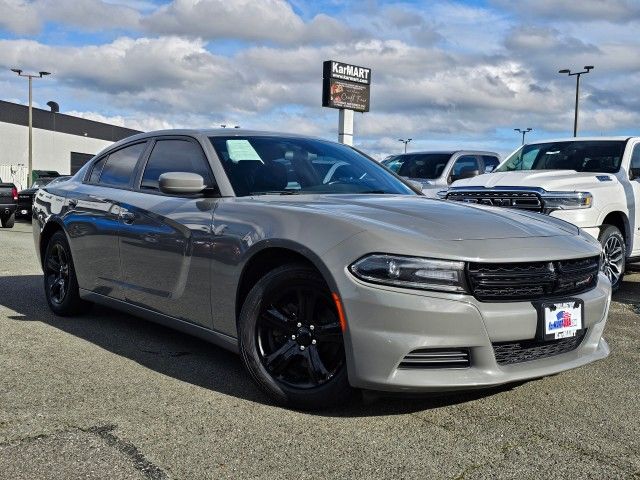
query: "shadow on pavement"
190, 359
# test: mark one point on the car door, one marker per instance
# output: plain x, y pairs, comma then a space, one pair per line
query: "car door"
93, 220
633, 197
166, 240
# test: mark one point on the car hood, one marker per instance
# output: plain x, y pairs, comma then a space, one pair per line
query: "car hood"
422, 216
550, 180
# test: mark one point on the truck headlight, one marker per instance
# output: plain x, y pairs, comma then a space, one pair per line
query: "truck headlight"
411, 272
566, 200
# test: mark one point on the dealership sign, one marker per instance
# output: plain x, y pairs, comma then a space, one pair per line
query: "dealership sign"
346, 86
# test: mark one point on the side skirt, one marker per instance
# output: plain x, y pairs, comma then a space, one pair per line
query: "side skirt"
217, 338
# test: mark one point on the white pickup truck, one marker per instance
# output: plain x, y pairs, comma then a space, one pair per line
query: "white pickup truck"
593, 183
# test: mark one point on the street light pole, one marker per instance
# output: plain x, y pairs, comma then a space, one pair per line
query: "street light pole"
587, 69
523, 132
405, 143
30, 77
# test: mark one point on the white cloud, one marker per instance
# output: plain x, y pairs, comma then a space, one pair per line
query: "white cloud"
574, 11
250, 20
28, 17
444, 73
18, 16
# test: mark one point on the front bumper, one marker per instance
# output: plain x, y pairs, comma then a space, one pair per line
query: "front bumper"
385, 324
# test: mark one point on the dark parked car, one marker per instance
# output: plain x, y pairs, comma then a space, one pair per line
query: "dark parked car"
325, 271
25, 197
8, 202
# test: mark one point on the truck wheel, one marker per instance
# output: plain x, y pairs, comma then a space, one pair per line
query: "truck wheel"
614, 254
8, 221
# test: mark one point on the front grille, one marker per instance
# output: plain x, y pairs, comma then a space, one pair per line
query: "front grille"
436, 358
522, 200
508, 353
531, 281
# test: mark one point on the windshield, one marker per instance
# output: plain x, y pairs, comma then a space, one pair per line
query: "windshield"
280, 165
422, 165
393, 163
41, 182
582, 156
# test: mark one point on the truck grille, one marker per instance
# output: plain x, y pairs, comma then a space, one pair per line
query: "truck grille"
531, 281
522, 200
436, 358
508, 353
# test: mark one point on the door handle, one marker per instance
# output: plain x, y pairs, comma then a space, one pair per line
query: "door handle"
128, 218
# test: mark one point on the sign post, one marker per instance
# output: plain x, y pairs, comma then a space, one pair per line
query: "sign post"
347, 88
345, 126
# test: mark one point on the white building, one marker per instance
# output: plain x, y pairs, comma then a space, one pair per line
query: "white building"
60, 142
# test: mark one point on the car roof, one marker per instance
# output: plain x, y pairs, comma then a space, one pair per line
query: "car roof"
447, 152
209, 132
622, 138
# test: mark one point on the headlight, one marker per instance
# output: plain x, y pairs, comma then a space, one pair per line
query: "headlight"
566, 200
411, 272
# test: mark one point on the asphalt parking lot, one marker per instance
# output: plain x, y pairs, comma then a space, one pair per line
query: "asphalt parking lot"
107, 395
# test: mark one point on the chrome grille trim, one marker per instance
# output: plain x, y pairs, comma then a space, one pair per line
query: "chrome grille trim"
427, 358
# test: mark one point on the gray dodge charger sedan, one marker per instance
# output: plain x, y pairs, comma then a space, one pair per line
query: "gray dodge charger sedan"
324, 270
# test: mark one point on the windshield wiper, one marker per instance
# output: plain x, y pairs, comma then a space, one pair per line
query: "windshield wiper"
277, 192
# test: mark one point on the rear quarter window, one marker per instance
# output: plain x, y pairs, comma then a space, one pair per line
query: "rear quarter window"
120, 165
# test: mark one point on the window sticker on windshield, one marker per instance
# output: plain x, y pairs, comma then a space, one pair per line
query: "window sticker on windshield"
240, 150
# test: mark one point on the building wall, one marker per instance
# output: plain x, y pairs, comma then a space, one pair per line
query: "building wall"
51, 150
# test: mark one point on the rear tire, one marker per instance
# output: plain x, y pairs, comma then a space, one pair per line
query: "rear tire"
291, 341
9, 220
60, 282
614, 254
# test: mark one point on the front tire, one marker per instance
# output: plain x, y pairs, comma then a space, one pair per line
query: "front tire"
9, 220
614, 254
291, 341
60, 282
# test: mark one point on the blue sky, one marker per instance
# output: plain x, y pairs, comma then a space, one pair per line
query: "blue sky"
449, 74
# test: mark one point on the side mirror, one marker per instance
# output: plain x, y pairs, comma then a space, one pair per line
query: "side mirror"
634, 173
464, 174
181, 183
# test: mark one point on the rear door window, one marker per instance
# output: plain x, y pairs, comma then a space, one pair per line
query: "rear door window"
96, 170
120, 166
175, 156
490, 163
465, 164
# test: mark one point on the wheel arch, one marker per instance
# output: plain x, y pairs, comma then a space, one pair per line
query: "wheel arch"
620, 220
270, 254
52, 226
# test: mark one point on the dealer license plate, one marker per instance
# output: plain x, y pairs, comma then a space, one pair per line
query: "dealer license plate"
562, 320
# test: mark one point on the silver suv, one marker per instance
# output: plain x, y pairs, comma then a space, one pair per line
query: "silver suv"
435, 170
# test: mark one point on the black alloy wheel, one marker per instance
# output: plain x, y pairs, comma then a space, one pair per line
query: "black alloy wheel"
291, 339
299, 337
60, 283
57, 274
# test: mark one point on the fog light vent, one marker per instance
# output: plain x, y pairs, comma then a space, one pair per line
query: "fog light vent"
437, 358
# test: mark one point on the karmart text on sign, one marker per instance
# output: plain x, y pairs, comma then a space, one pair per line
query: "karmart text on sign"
344, 71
